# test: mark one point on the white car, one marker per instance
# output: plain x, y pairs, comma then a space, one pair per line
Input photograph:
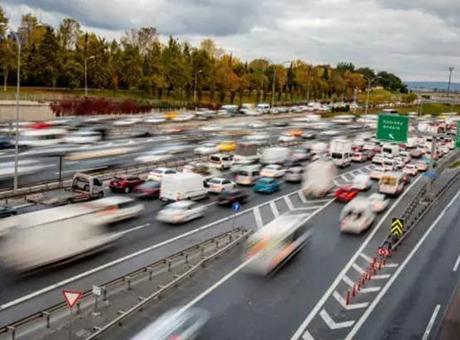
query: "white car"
377, 172
377, 159
273, 170
357, 216
116, 208
410, 169
358, 157
83, 137
399, 162
378, 202
206, 149
219, 184
421, 166
361, 182
158, 173
286, 139
181, 212
405, 156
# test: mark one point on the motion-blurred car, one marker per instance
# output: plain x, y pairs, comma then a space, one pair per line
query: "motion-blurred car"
83, 137
267, 185
362, 182
226, 146
151, 157
346, 193
416, 153
294, 174
300, 155
206, 149
116, 208
286, 139
273, 170
175, 325
231, 196
379, 202
359, 157
357, 216
6, 211
377, 159
124, 183
421, 166
410, 169
197, 168
308, 135
148, 189
158, 173
219, 184
181, 212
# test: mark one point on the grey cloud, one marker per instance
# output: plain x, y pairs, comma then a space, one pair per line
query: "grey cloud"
207, 17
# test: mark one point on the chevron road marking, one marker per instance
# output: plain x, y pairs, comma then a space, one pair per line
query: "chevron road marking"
289, 203
350, 306
258, 218
332, 324
274, 209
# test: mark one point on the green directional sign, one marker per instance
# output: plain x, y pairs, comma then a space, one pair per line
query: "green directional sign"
457, 137
392, 128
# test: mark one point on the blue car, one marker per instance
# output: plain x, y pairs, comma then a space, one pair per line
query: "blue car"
267, 185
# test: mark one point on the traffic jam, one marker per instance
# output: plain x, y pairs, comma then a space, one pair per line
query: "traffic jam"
238, 169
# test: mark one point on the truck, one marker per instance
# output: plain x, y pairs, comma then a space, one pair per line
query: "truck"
246, 153
48, 237
84, 188
318, 178
275, 155
183, 186
390, 150
340, 151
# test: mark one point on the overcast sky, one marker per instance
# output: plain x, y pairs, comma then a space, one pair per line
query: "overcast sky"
417, 40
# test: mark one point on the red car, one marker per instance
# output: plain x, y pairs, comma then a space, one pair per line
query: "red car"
124, 183
346, 193
148, 189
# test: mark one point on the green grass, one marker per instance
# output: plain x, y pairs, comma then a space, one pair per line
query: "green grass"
431, 108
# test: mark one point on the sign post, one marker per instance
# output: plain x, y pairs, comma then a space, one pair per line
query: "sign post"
97, 291
397, 227
393, 128
457, 137
236, 206
71, 297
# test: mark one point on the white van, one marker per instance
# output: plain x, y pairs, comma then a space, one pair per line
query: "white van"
183, 186
276, 155
263, 108
390, 150
391, 183
248, 175
220, 161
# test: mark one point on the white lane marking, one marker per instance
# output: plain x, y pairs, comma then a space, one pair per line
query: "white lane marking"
319, 201
431, 322
289, 203
274, 209
25, 205
358, 268
344, 178
302, 196
348, 281
258, 218
345, 269
399, 270
215, 285
332, 324
142, 226
370, 289
307, 336
361, 171
313, 207
381, 277
457, 263
349, 176
391, 265
337, 184
350, 306
364, 256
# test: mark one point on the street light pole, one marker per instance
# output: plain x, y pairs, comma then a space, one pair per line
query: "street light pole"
451, 69
195, 85
273, 87
86, 74
18, 86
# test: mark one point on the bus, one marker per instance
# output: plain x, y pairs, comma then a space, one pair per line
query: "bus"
275, 243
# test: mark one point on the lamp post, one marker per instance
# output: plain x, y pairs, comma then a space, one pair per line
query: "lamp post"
196, 84
274, 81
86, 73
451, 69
369, 84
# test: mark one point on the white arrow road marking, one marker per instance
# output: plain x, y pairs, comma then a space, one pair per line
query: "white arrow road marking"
258, 218
307, 336
358, 268
332, 324
350, 306
274, 209
288, 203
302, 196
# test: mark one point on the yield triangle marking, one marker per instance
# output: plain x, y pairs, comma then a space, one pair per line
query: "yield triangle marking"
72, 296
332, 324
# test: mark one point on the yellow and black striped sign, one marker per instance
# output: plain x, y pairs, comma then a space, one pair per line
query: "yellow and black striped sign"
397, 227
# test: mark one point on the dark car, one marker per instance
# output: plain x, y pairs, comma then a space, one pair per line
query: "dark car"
308, 135
281, 123
125, 183
232, 196
149, 189
6, 211
5, 142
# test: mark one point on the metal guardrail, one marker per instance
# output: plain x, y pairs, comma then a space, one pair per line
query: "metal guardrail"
233, 237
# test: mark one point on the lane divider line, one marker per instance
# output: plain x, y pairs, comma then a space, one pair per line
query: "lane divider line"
274, 209
258, 218
457, 263
348, 281
365, 257
302, 196
381, 277
358, 268
426, 335
289, 203
308, 336
142, 226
